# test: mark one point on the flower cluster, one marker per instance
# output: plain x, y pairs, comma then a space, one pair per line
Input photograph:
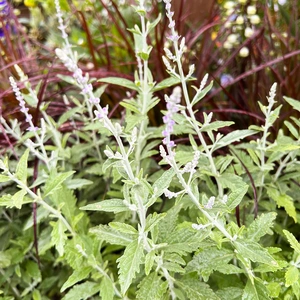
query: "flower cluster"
174, 37
172, 107
190, 167
67, 58
241, 18
22, 103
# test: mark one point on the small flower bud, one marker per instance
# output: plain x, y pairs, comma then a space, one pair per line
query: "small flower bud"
255, 19
251, 10
248, 32
244, 52
239, 20
232, 38
229, 5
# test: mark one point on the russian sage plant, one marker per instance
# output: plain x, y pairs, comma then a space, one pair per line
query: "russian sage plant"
193, 224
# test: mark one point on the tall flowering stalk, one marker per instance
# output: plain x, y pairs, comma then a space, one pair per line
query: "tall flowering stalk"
176, 58
38, 134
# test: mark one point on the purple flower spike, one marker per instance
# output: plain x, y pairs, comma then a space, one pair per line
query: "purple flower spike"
101, 113
172, 107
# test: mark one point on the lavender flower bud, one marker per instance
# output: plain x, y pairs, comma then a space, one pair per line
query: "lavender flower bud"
172, 107
210, 203
24, 109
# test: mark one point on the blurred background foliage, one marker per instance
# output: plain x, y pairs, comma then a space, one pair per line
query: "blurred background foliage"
244, 45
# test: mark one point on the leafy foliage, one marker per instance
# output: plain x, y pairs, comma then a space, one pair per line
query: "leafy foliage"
122, 210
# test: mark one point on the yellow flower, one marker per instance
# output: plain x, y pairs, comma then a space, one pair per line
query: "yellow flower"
30, 3
214, 35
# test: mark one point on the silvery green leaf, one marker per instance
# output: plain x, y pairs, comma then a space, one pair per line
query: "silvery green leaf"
293, 241
283, 200
55, 181
232, 137
153, 219
166, 83
294, 103
112, 236
21, 170
122, 227
255, 291
106, 289
149, 261
255, 252
58, 236
151, 25
163, 182
82, 291
200, 94
76, 276
129, 264
17, 198
120, 81
196, 290
261, 226
151, 287
111, 205
291, 276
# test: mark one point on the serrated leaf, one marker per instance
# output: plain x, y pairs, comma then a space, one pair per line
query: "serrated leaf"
292, 102
163, 182
255, 291
292, 129
153, 219
5, 259
209, 260
152, 25
21, 170
237, 186
130, 105
129, 264
32, 269
183, 241
76, 276
283, 200
149, 261
122, 227
260, 226
166, 83
120, 81
232, 293
291, 276
274, 289
214, 126
17, 198
106, 289
65, 197
274, 114
58, 236
112, 236
168, 224
254, 252
69, 114
173, 267
196, 290
201, 94
111, 205
82, 291
55, 181
66, 78
292, 240
4, 178
78, 183
232, 137
151, 287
